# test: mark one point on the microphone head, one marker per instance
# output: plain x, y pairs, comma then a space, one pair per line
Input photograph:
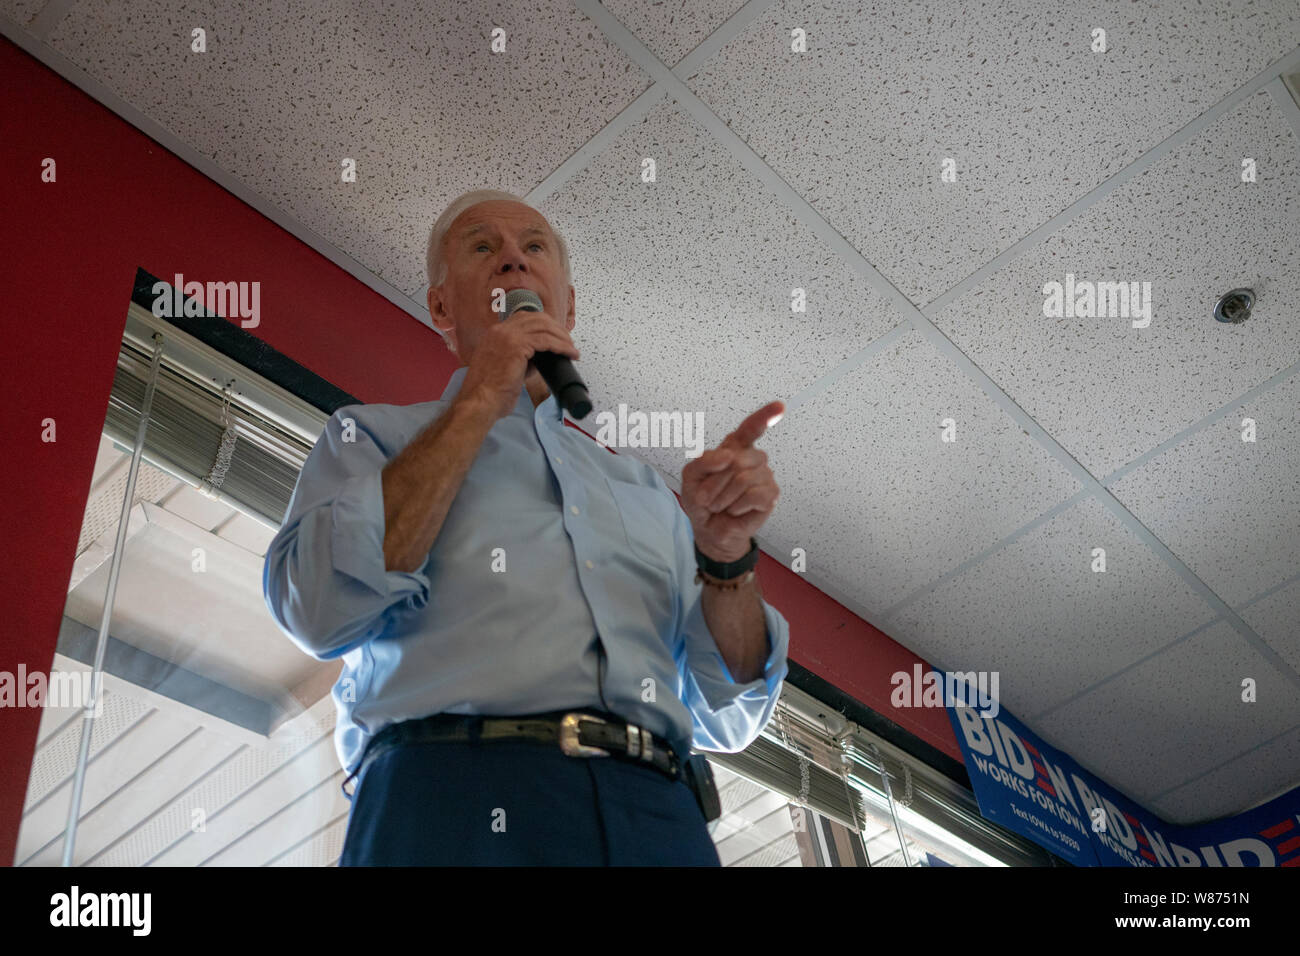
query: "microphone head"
517, 299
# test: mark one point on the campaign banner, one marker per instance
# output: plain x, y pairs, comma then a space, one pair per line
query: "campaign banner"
1123, 833
1031, 788
1268, 835
1021, 783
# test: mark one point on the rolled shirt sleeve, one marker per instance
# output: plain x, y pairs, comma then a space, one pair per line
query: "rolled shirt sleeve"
325, 581
726, 717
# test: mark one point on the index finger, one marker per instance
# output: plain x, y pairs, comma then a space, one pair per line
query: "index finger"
752, 428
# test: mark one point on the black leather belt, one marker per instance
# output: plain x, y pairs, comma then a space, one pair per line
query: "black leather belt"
579, 733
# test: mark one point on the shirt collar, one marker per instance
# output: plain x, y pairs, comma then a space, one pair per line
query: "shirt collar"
524, 406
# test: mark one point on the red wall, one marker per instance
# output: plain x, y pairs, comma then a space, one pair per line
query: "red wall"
70, 254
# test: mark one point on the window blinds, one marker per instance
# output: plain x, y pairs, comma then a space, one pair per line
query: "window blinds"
214, 424
800, 755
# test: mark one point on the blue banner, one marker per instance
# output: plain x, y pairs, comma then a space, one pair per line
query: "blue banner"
1021, 783
1039, 792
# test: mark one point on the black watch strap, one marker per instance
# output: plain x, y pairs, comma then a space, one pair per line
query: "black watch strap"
733, 569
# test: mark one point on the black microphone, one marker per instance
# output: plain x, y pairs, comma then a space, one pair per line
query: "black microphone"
556, 370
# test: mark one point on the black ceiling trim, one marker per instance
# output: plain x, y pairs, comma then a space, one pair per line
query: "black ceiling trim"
248, 350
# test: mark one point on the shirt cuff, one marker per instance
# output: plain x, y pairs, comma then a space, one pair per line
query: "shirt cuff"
357, 542
710, 667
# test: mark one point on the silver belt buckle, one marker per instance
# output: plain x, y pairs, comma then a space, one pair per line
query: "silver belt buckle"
569, 736
640, 743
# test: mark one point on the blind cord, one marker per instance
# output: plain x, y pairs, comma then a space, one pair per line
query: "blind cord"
217, 473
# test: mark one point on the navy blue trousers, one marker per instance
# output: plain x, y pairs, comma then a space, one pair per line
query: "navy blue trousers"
514, 803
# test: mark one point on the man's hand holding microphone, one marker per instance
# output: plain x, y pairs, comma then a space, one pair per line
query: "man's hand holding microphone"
500, 364
421, 482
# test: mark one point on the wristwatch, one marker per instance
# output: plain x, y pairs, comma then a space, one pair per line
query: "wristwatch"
742, 568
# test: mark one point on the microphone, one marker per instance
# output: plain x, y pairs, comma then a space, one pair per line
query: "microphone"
556, 370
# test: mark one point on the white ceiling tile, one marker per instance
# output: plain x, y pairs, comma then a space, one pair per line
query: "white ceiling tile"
21, 11
1034, 119
1176, 716
880, 503
1108, 391
1271, 769
1276, 619
280, 100
1036, 612
683, 285
1229, 509
670, 29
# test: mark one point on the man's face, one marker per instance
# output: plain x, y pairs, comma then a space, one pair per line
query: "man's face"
497, 244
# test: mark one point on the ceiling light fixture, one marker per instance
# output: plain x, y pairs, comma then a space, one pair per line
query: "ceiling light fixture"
1235, 306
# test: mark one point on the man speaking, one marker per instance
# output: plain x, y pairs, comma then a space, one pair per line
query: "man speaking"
533, 631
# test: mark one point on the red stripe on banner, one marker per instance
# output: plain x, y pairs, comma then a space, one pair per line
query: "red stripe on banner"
1289, 846
1141, 838
1146, 854
1294, 861
1031, 748
1273, 832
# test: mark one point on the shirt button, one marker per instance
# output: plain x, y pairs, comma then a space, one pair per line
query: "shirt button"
590, 565
559, 461
573, 508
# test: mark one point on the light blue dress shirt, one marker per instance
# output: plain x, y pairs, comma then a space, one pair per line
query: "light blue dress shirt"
553, 547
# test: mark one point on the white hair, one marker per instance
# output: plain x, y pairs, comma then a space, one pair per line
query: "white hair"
436, 265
